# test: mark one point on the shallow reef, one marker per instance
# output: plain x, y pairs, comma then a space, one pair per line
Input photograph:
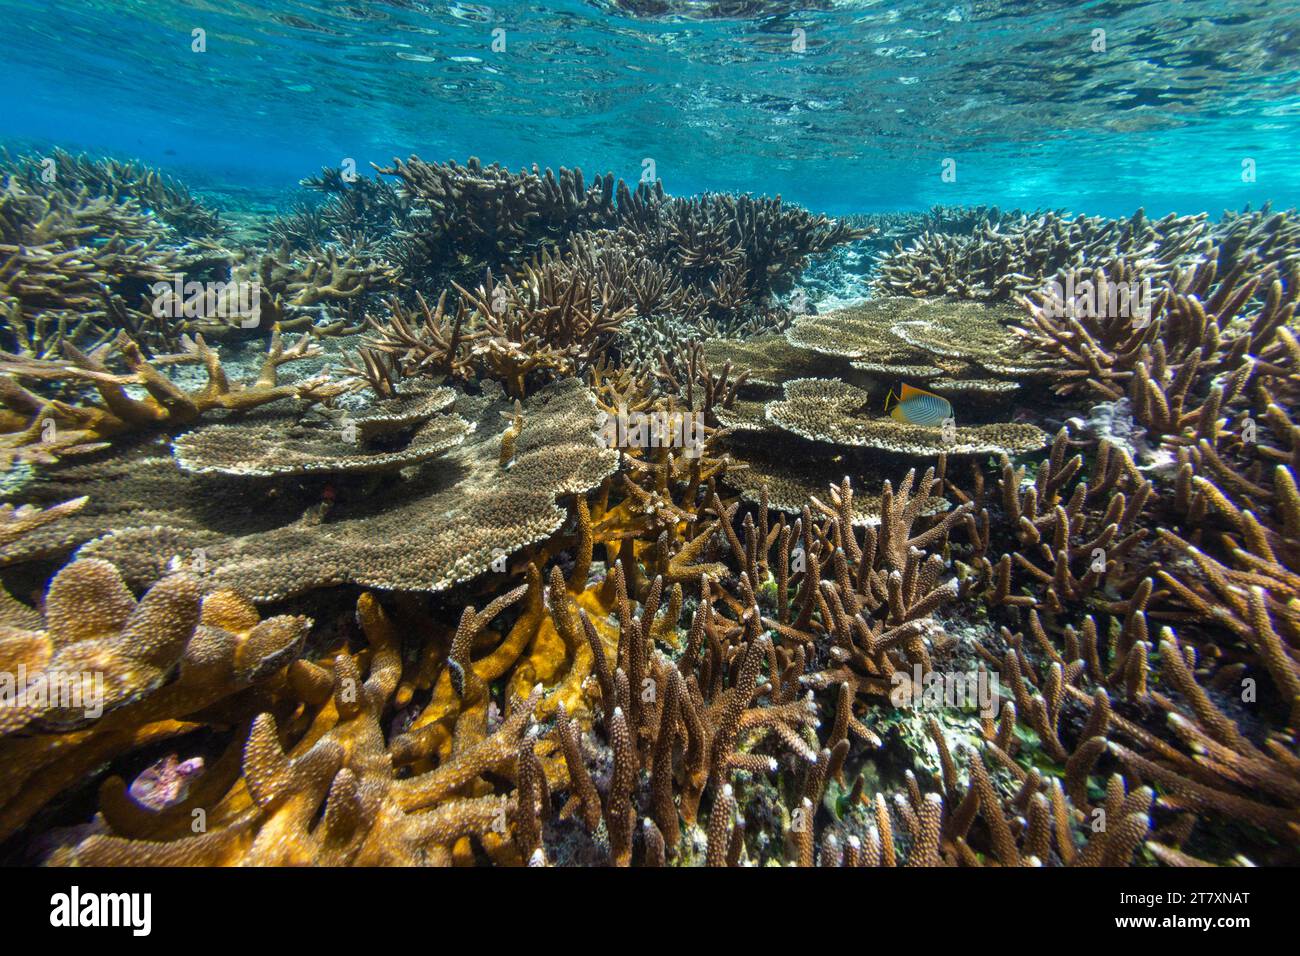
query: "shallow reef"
584, 532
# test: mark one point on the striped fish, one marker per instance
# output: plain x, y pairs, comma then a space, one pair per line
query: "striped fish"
915, 406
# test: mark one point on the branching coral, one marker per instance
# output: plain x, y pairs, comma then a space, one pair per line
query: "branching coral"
338, 772
1078, 650
102, 674
320, 290
494, 217
550, 325
69, 263
120, 181
1013, 257
40, 429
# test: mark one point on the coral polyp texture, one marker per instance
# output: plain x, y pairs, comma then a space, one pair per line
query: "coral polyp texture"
425, 530
583, 536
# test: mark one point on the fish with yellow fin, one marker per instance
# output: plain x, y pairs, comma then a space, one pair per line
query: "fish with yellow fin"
916, 406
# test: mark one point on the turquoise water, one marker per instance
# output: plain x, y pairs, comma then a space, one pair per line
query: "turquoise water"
1184, 97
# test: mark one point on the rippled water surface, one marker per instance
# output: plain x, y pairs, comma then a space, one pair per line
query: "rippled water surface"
1019, 95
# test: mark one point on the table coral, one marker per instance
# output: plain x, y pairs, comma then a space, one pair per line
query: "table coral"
644, 651
445, 523
380, 439
830, 411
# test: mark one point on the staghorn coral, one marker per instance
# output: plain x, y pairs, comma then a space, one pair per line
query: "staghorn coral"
70, 264
460, 220
1218, 345
320, 290
359, 211
549, 325
1263, 235
1167, 360
1134, 702
41, 430
121, 181
1000, 261
888, 228
766, 240
611, 775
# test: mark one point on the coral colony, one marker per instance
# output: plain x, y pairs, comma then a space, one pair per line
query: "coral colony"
466, 516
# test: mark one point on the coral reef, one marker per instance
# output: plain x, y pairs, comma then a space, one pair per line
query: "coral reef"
999, 261
424, 530
35, 428
608, 549
136, 670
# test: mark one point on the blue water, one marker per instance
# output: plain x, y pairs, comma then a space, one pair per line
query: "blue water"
713, 93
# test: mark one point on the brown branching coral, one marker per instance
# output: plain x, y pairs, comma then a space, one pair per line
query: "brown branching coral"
765, 239
876, 611
319, 290
548, 325
1210, 374
1079, 543
340, 772
1066, 543
121, 181
69, 262
588, 258
493, 217
651, 738
40, 429
1165, 358
1013, 257
104, 674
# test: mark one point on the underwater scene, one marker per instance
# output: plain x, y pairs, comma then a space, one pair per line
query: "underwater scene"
649, 433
